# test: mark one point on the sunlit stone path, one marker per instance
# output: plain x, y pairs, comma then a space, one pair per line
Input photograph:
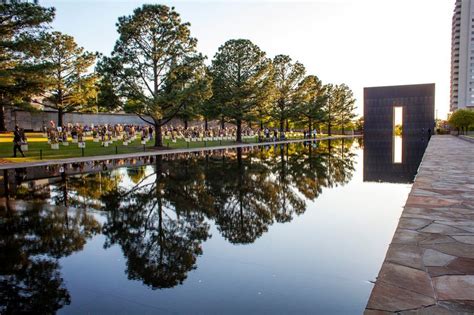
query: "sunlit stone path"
429, 267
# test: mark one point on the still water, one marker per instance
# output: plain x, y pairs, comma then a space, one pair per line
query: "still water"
286, 229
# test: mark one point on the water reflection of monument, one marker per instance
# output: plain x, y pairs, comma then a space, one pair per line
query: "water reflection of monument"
381, 162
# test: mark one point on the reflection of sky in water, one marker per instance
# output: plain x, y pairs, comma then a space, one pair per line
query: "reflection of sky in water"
320, 262
397, 149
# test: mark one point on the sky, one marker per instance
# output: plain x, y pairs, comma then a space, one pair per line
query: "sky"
361, 43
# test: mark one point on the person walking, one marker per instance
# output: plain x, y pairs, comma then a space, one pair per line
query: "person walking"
150, 132
17, 139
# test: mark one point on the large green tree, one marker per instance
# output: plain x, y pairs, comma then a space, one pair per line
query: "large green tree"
155, 65
462, 119
71, 85
312, 101
287, 77
21, 73
345, 106
340, 106
241, 75
108, 100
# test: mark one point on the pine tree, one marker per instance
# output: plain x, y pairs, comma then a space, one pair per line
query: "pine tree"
71, 85
311, 101
287, 77
21, 72
241, 75
155, 65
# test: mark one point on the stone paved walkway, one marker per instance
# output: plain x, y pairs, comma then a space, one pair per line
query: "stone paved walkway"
429, 266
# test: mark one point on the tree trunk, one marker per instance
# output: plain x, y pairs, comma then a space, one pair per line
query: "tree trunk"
240, 182
282, 125
60, 117
239, 159
261, 124
205, 124
185, 124
287, 125
239, 130
64, 190
2, 119
329, 120
159, 134
310, 125
342, 125
157, 192
6, 186
222, 122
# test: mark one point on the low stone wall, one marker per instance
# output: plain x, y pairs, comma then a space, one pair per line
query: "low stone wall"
34, 121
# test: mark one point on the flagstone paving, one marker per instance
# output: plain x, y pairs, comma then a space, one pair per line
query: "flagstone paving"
429, 267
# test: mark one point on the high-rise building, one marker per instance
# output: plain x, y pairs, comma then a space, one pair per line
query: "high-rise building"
18, 1
462, 56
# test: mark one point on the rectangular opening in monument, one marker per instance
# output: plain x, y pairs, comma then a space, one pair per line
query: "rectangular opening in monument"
397, 151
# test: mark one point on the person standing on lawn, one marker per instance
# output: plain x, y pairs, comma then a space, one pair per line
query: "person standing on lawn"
150, 132
17, 139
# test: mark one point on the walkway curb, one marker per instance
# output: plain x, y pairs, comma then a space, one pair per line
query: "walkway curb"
466, 138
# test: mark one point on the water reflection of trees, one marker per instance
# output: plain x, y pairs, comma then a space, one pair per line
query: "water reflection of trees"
159, 214
84, 191
245, 200
159, 218
157, 231
32, 242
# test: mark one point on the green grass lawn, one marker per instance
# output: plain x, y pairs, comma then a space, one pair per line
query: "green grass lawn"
37, 145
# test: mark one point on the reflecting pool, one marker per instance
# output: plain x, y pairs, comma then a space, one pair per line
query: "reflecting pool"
279, 229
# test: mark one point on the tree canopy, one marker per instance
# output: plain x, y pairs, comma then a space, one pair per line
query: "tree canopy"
339, 107
156, 72
21, 69
155, 63
70, 83
311, 101
287, 77
462, 119
241, 75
